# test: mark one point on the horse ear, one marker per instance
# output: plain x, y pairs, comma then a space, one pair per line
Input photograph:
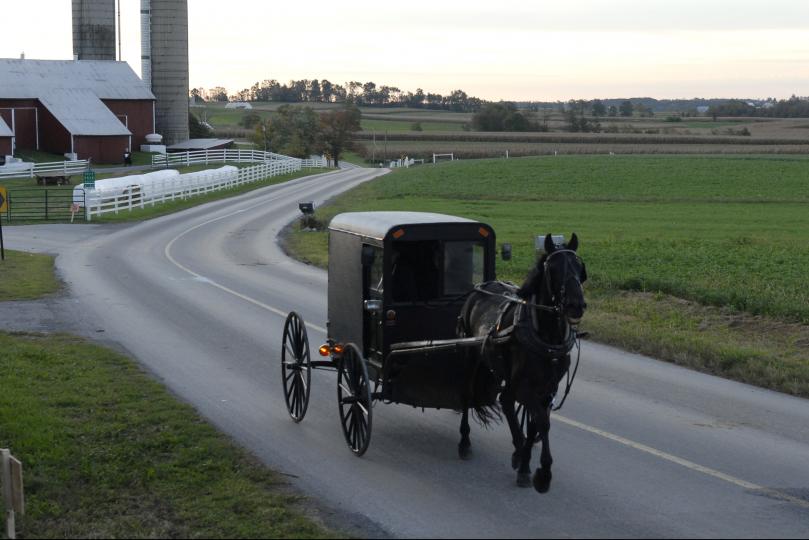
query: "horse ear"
549, 245
573, 245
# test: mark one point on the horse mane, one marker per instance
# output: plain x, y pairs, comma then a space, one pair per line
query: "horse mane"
532, 280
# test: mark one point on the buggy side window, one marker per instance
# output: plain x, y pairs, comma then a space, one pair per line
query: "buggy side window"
415, 271
463, 266
376, 275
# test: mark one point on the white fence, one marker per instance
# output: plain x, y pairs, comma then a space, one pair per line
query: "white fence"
97, 202
206, 157
21, 170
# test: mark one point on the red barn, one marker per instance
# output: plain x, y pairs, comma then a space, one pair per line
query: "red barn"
6, 139
93, 109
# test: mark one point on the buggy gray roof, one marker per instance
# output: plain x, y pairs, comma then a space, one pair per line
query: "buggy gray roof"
72, 90
379, 224
5, 131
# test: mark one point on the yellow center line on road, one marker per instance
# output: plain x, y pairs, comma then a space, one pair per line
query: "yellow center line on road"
685, 463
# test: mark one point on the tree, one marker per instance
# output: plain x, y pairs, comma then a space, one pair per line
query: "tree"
626, 108
293, 131
598, 108
499, 117
196, 129
218, 93
337, 129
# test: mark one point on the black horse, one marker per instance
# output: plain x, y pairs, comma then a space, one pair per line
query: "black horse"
529, 332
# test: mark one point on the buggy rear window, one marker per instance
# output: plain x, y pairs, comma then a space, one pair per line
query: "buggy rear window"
429, 270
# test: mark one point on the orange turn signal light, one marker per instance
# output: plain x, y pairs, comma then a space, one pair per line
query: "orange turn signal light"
326, 349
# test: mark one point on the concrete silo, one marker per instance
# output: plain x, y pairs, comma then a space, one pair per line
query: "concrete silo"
164, 43
94, 29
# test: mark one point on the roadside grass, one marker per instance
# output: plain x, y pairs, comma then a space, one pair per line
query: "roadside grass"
26, 276
109, 453
696, 260
151, 211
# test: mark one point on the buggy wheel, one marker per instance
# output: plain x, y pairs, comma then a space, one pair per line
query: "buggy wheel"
522, 418
296, 367
354, 399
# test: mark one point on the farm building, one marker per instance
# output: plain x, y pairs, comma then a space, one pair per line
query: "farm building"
89, 109
6, 139
195, 145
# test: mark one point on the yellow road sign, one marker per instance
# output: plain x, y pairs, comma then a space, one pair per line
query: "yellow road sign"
3, 199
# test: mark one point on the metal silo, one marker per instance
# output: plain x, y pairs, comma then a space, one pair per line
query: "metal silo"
164, 42
94, 29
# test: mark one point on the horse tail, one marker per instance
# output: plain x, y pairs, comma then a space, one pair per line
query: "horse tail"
485, 406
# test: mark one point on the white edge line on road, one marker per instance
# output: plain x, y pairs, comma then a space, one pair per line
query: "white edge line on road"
684, 462
167, 252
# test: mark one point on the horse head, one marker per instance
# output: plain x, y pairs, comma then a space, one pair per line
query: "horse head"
557, 280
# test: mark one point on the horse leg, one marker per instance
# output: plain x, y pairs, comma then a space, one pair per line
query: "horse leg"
464, 447
524, 472
543, 476
517, 438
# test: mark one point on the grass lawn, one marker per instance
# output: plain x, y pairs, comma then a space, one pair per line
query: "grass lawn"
109, 453
26, 276
698, 260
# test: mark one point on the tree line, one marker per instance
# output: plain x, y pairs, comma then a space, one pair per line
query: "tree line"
358, 93
794, 107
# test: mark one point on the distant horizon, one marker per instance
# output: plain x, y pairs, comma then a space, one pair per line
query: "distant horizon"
670, 49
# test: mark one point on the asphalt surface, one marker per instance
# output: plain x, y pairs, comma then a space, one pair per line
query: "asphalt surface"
642, 448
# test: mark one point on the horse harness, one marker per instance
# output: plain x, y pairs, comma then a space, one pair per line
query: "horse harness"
522, 328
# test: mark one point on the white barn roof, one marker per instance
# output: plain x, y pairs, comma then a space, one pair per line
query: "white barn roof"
72, 90
5, 131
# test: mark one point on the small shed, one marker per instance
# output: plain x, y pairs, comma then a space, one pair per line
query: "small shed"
238, 105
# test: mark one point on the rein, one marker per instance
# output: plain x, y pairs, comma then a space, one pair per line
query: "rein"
551, 351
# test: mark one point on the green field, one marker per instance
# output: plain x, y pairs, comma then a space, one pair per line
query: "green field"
708, 243
381, 126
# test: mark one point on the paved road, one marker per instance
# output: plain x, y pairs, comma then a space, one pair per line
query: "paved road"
642, 448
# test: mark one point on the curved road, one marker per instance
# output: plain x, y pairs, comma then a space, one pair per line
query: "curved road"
642, 448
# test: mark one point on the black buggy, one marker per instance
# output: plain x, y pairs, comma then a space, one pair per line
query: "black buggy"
396, 284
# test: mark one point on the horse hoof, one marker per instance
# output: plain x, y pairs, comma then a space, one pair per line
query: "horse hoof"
465, 452
542, 480
515, 460
523, 480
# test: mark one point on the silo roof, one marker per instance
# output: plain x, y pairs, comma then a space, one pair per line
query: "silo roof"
72, 91
5, 131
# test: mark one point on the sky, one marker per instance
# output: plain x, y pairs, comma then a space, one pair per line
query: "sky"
544, 50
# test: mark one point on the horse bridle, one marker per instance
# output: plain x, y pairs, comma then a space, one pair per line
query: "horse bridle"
558, 305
